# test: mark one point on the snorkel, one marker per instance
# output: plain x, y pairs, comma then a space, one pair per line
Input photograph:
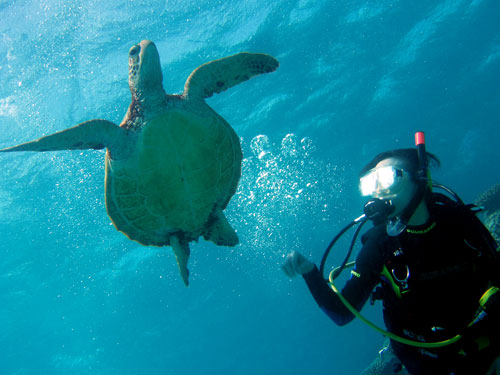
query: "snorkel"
396, 225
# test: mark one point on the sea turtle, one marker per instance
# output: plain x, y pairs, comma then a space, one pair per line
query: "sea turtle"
173, 163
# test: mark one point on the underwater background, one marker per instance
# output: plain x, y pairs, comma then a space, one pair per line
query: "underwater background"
356, 78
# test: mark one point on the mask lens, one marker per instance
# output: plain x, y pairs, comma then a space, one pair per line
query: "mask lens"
368, 183
386, 177
380, 178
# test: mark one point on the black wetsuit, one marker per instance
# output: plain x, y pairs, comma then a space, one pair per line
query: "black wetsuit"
450, 262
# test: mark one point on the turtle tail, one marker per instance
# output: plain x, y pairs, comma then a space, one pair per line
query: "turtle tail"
182, 252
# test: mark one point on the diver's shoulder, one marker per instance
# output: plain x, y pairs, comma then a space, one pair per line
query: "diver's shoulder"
442, 205
457, 215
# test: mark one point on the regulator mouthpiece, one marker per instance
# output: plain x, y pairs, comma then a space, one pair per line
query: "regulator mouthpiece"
378, 210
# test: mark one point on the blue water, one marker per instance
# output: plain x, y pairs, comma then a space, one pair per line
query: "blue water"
356, 78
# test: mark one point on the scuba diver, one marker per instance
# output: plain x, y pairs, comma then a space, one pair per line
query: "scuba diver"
430, 260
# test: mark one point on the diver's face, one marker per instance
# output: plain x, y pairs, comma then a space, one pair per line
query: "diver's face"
401, 191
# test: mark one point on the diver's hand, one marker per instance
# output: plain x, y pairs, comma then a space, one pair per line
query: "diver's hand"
296, 264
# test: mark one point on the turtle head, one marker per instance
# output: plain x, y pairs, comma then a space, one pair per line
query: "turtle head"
144, 69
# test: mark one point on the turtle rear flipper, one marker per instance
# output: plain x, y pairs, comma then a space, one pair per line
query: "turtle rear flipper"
220, 232
219, 75
182, 252
92, 134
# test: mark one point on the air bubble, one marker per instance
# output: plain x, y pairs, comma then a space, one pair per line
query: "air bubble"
284, 187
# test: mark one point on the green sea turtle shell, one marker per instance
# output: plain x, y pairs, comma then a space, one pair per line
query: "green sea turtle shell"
185, 165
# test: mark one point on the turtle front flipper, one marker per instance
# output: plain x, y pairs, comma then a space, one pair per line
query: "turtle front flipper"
219, 75
92, 134
181, 251
219, 231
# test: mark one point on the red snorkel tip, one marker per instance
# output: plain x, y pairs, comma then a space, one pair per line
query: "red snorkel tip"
422, 154
419, 138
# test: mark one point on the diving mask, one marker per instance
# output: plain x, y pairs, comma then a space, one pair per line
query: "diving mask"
381, 179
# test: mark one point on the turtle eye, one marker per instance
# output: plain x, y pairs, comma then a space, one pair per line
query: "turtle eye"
134, 50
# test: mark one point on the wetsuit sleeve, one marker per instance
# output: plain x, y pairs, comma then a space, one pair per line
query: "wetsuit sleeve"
357, 290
